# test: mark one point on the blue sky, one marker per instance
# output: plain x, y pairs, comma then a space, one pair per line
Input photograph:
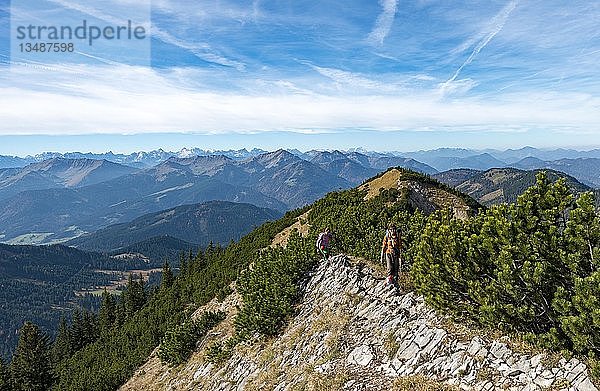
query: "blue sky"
385, 75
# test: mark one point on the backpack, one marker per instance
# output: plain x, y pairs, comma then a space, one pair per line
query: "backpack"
394, 242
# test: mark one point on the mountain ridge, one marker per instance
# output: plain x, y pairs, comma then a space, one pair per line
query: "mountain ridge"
196, 224
352, 333
59, 173
499, 185
278, 180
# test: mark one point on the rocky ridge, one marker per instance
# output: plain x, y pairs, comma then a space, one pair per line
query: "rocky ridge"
354, 333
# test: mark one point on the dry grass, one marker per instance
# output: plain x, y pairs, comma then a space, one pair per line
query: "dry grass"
334, 322
154, 375
301, 224
391, 345
386, 181
487, 374
319, 382
559, 385
405, 283
494, 195
466, 330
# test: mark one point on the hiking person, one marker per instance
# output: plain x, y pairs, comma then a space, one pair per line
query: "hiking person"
390, 254
323, 242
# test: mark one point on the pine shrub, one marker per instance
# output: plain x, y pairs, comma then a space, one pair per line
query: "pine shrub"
180, 341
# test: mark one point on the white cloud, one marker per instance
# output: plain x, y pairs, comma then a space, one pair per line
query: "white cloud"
200, 50
456, 87
384, 22
125, 99
353, 80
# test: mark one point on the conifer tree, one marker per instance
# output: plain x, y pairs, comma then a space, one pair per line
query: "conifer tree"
135, 297
30, 367
61, 348
4, 376
120, 311
90, 327
107, 312
84, 329
77, 331
183, 266
167, 276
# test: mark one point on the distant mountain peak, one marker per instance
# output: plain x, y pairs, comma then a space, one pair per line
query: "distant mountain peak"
186, 153
277, 157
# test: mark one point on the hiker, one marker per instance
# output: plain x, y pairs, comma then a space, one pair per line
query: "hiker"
323, 242
390, 254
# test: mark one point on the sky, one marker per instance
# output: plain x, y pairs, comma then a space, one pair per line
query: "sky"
380, 75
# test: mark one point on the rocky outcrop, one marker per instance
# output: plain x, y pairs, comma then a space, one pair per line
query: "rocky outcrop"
352, 332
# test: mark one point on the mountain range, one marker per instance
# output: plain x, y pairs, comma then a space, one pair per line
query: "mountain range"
507, 157
144, 159
586, 170
59, 173
59, 199
68, 195
140, 159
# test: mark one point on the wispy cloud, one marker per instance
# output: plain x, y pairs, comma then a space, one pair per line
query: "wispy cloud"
199, 49
384, 22
347, 79
125, 99
494, 27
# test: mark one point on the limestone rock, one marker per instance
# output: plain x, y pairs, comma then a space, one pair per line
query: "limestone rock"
354, 333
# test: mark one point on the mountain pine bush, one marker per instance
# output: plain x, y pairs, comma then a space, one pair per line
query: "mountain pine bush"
530, 267
180, 341
270, 287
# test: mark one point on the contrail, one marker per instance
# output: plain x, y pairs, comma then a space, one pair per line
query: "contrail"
496, 24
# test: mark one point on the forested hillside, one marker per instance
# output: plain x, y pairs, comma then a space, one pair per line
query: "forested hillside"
215, 221
528, 268
40, 284
159, 249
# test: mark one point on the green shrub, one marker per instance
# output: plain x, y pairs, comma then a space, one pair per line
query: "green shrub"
219, 351
270, 287
180, 341
531, 267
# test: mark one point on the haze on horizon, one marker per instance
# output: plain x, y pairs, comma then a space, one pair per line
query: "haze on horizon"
193, 150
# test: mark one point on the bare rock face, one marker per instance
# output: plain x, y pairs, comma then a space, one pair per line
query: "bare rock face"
352, 332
